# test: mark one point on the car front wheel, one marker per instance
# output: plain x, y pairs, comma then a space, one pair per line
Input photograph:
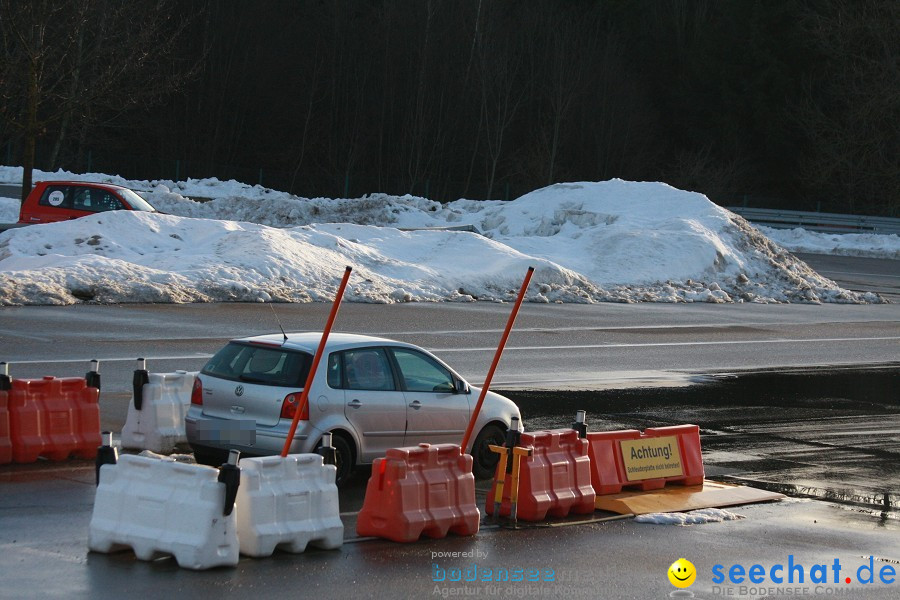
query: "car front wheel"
484, 462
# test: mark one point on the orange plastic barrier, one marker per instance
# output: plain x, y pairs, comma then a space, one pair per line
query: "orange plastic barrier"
609, 473
607, 467
5, 441
554, 481
53, 418
413, 491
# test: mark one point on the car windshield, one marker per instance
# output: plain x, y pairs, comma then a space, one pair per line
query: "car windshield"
136, 202
266, 365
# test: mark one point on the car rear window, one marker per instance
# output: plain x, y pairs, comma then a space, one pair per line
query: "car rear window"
58, 196
361, 369
265, 365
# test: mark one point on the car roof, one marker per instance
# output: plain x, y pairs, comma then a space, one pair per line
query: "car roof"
308, 341
100, 184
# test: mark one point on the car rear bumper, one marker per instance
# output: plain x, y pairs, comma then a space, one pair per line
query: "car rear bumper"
227, 434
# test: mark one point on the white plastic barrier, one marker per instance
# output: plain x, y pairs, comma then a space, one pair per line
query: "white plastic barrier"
287, 502
160, 507
159, 425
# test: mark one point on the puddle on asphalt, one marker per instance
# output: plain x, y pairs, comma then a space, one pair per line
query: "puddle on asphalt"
832, 434
799, 393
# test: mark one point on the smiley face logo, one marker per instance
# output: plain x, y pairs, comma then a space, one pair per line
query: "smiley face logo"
682, 573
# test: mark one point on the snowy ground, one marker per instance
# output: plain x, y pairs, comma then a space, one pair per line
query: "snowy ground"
590, 242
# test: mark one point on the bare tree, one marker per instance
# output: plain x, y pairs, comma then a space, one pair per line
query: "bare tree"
499, 61
565, 41
313, 96
851, 112
425, 119
83, 62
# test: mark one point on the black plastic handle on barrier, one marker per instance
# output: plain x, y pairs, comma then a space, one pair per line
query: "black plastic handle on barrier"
107, 454
140, 379
327, 451
5, 381
513, 437
230, 475
92, 377
580, 425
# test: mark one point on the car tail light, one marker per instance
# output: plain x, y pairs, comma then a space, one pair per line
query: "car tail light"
290, 405
197, 392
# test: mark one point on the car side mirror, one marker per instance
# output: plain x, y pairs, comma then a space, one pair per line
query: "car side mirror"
461, 387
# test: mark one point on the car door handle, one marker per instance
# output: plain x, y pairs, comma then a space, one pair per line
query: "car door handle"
354, 403
415, 404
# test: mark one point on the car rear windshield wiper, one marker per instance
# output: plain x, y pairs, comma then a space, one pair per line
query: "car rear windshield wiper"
250, 379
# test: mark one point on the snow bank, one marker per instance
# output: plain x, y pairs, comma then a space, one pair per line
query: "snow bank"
845, 244
9, 210
633, 241
590, 242
128, 256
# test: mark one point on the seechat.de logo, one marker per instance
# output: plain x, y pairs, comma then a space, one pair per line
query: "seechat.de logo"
682, 573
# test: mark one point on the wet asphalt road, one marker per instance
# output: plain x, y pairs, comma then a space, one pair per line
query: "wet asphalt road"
10, 191
45, 511
552, 346
818, 433
859, 274
659, 351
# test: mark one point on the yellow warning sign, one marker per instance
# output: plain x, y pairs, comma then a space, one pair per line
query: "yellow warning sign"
650, 458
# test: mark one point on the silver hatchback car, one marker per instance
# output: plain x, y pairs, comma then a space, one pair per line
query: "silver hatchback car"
371, 393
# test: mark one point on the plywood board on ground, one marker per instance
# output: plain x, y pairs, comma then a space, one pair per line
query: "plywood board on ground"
677, 498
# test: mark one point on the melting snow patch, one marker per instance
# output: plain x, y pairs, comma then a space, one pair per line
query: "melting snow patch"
182, 458
694, 517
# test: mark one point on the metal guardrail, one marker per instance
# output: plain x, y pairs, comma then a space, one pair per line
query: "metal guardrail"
469, 228
818, 221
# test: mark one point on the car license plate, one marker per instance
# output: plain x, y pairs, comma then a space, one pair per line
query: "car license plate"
233, 431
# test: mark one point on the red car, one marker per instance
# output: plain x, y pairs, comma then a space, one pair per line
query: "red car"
52, 201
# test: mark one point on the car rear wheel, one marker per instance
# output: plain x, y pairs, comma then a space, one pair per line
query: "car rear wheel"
344, 458
484, 462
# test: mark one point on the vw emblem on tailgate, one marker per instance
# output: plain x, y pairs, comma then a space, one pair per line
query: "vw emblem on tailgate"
239, 390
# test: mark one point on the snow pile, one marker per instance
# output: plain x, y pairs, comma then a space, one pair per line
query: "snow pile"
9, 210
284, 210
845, 244
650, 242
694, 517
128, 256
590, 242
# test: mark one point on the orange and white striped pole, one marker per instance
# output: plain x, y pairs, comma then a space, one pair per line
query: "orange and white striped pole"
490, 375
304, 397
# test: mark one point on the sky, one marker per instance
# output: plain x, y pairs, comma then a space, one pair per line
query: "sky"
589, 242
